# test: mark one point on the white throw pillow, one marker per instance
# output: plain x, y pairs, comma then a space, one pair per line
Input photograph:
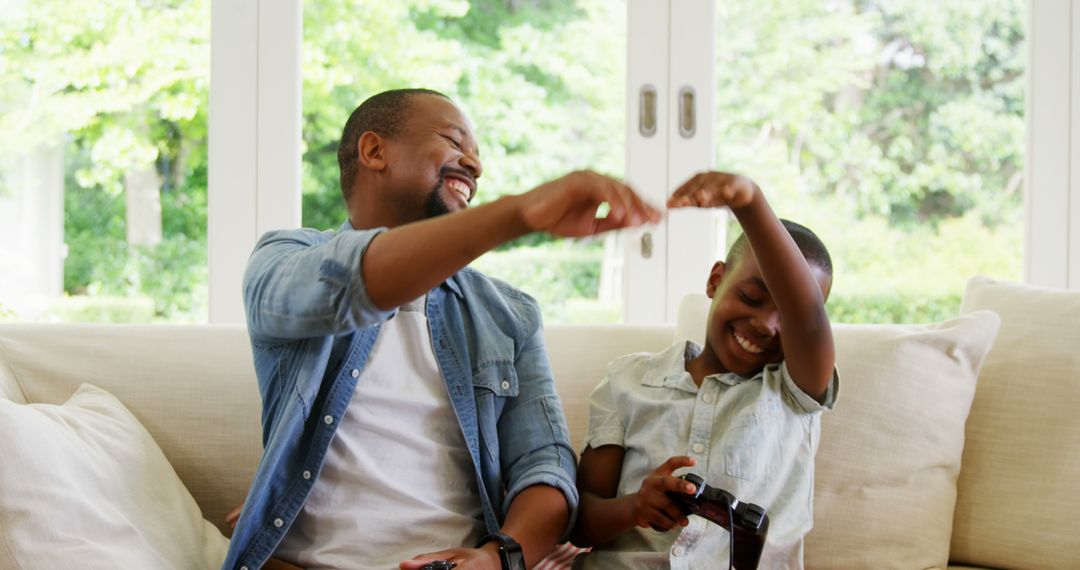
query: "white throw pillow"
1020, 483
83, 485
890, 452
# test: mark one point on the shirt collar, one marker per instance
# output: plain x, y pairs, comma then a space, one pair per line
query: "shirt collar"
450, 283
692, 350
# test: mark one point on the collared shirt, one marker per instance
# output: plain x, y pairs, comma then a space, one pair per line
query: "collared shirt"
312, 328
753, 437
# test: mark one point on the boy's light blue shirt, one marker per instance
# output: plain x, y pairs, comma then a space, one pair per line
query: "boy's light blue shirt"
754, 437
312, 328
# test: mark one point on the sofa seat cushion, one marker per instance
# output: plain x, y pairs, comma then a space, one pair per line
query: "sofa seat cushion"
83, 485
1020, 483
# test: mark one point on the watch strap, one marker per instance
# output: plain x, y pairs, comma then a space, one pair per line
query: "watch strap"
510, 554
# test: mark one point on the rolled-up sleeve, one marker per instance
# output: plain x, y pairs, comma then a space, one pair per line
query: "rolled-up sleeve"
536, 447
299, 284
803, 401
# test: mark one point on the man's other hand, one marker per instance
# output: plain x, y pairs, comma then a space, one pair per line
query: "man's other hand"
484, 558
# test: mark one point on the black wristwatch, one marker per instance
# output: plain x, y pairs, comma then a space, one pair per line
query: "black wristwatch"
509, 550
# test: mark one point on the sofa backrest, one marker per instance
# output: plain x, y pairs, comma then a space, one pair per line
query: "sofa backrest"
192, 387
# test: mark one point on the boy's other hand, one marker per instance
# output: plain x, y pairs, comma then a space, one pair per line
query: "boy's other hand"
652, 507
714, 190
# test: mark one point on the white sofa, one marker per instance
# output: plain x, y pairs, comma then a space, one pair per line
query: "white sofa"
898, 484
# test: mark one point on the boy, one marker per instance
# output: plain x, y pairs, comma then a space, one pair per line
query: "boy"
744, 409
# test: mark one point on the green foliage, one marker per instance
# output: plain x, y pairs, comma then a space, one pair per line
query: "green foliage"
894, 129
902, 307
102, 309
564, 279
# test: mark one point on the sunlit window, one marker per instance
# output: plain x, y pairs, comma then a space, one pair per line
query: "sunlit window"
893, 129
103, 107
544, 84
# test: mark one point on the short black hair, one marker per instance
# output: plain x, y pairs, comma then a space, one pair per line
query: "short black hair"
383, 114
811, 246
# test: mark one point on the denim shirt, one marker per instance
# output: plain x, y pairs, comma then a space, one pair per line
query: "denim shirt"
312, 328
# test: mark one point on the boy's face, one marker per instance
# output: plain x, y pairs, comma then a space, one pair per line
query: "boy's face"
743, 333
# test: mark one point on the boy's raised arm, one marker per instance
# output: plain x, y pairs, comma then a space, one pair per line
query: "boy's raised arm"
806, 334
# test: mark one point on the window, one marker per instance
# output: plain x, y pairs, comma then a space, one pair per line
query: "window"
543, 83
103, 177
895, 130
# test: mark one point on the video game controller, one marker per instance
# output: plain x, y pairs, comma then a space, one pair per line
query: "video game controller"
439, 565
748, 522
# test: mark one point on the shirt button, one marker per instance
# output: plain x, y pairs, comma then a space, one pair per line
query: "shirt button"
355, 373
698, 448
328, 419
243, 568
279, 523
707, 398
306, 474
505, 385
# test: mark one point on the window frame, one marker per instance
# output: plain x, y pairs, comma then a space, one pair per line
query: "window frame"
255, 144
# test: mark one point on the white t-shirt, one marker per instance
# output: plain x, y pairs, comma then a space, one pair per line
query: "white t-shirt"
398, 480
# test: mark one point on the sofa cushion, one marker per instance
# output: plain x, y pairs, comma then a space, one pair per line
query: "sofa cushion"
1020, 483
83, 485
191, 386
887, 464
890, 453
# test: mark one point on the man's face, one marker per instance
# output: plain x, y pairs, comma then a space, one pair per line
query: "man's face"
743, 334
433, 164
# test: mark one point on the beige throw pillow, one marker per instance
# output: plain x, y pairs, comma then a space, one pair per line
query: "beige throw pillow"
83, 485
1019, 501
890, 453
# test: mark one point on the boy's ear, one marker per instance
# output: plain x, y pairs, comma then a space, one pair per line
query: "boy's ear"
716, 275
371, 151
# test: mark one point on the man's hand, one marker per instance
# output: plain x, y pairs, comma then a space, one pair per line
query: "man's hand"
484, 558
652, 507
567, 206
714, 190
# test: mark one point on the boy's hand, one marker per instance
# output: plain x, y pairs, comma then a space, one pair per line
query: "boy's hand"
714, 190
652, 507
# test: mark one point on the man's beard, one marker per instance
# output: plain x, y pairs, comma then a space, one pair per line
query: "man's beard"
435, 205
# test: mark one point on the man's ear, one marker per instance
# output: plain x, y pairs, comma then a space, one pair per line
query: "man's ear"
371, 151
716, 275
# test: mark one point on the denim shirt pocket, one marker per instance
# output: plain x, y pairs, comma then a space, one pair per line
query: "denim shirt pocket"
493, 384
750, 446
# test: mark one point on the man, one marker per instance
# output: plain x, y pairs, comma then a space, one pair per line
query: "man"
409, 414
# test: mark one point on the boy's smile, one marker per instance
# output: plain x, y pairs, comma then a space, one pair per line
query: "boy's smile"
743, 334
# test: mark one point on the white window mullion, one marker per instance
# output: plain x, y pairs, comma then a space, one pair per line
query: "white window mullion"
233, 134
692, 234
1051, 257
645, 270
1074, 146
280, 39
254, 136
